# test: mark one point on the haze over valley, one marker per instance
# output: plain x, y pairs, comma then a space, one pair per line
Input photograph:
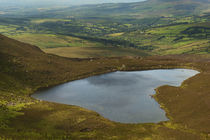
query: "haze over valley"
45, 3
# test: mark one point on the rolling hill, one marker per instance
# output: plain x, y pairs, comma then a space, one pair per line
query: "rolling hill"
149, 8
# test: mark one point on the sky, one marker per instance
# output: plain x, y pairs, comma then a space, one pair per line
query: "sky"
59, 2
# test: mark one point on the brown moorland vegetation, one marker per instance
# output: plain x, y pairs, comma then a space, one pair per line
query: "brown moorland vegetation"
25, 68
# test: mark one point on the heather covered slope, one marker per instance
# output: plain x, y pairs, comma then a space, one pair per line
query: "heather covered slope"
24, 61
24, 68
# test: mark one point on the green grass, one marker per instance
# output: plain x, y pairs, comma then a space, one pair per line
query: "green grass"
68, 46
39, 21
163, 40
74, 47
171, 39
45, 40
87, 52
9, 29
53, 41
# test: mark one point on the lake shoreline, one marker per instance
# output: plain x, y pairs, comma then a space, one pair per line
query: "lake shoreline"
114, 70
149, 63
51, 95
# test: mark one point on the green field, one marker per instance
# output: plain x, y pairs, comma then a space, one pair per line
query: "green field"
88, 52
154, 27
169, 39
173, 39
54, 41
68, 46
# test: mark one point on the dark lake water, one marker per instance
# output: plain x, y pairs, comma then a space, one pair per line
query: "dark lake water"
119, 96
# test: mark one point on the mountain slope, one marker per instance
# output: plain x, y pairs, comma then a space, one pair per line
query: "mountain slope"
33, 67
24, 68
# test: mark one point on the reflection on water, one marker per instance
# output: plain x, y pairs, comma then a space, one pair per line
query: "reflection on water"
119, 96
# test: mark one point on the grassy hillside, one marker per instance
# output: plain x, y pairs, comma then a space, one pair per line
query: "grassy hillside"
96, 52
25, 68
173, 39
65, 45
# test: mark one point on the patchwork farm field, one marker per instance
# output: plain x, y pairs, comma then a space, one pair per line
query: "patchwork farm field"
179, 38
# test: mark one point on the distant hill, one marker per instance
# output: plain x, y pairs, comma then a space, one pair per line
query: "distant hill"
135, 10
141, 9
